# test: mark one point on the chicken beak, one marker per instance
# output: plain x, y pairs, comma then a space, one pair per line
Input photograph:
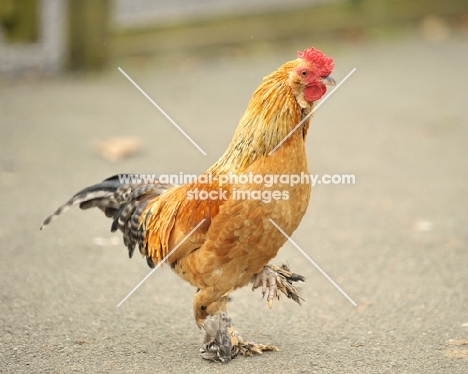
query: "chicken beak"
329, 81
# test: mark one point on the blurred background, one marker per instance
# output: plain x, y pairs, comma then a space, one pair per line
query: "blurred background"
396, 241
54, 35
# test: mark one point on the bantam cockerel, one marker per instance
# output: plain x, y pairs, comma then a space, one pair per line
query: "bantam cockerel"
234, 238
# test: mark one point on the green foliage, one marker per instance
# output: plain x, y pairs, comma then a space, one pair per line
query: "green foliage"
19, 19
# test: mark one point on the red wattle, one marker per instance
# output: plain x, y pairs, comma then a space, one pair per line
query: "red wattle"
314, 92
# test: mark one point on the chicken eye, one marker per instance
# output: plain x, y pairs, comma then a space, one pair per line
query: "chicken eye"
304, 73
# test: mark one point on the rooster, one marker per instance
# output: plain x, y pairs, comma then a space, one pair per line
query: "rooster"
221, 244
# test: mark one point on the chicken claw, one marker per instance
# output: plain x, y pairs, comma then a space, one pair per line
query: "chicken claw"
223, 343
275, 279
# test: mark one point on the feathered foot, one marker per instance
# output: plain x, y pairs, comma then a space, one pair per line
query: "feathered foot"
223, 343
275, 279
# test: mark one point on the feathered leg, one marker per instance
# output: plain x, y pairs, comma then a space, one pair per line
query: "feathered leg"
275, 279
223, 343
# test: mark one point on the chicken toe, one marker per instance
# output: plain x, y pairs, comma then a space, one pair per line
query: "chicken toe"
223, 343
274, 279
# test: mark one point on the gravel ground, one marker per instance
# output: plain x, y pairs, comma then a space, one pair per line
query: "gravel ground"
395, 241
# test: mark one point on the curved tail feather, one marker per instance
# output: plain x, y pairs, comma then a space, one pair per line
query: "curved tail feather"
123, 202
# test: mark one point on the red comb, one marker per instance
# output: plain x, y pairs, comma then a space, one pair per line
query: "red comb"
323, 64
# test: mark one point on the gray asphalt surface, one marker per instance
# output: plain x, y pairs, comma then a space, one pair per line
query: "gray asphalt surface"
396, 241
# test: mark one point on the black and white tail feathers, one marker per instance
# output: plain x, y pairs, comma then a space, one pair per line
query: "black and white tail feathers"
124, 203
